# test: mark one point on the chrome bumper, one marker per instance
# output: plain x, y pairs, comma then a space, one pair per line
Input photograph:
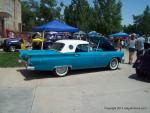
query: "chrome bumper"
30, 67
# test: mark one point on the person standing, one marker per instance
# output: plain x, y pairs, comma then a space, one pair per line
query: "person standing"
131, 48
139, 44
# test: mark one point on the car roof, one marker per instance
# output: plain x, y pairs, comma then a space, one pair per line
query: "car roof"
74, 42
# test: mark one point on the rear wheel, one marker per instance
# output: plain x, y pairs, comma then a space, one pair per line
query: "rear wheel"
61, 71
113, 64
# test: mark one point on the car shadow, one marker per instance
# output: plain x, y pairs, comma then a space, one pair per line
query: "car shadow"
142, 79
30, 75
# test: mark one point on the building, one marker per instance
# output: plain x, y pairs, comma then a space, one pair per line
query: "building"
10, 17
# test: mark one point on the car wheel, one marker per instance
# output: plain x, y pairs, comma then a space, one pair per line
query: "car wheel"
113, 64
12, 48
61, 71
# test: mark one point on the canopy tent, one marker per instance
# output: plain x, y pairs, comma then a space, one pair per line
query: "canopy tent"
119, 35
55, 25
93, 34
80, 33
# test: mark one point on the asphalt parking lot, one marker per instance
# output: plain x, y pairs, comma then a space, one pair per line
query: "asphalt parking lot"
84, 91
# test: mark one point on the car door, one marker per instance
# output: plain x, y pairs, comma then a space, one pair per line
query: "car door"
82, 58
102, 58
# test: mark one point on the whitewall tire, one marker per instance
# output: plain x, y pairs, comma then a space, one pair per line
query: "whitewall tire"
12, 48
61, 71
113, 64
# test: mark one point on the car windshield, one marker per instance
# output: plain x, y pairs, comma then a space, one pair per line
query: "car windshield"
57, 46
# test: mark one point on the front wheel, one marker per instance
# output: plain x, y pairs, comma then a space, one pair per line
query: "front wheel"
12, 48
113, 64
61, 71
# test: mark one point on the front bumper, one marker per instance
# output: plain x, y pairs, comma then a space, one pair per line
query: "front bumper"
30, 67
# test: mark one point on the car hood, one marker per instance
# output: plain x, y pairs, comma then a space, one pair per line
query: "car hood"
25, 54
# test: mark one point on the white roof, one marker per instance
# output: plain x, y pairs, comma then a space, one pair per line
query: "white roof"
67, 43
73, 42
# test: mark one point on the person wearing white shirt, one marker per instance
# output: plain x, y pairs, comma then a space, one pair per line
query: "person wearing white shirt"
131, 48
139, 44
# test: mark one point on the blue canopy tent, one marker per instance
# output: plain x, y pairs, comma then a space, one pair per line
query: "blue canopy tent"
55, 25
93, 34
119, 35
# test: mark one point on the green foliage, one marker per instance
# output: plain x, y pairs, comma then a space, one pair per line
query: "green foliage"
35, 13
28, 16
104, 16
9, 59
78, 14
48, 11
108, 15
130, 29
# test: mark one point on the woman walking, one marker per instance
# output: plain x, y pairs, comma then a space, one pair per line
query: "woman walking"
131, 48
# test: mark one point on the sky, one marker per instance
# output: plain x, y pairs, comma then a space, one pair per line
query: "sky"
129, 8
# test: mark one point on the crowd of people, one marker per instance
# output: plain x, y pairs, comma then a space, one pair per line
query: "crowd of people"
134, 43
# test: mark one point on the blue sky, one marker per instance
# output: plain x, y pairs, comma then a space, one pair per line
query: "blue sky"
129, 8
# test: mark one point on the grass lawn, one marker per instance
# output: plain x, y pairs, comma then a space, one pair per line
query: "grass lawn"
9, 59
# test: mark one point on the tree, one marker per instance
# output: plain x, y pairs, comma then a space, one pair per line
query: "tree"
48, 10
36, 12
78, 14
107, 16
130, 29
28, 15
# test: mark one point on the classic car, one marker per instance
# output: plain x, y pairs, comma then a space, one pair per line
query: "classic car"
65, 55
142, 64
11, 44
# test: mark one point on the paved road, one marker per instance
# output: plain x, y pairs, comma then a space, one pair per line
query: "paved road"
88, 91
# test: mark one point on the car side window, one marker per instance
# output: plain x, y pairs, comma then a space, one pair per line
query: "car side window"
82, 48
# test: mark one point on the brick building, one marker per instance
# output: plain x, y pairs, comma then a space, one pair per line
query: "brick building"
10, 17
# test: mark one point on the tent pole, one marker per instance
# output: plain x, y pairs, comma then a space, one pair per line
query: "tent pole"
98, 45
42, 41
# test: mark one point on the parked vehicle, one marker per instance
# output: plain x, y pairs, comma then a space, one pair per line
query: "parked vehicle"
147, 43
66, 55
11, 44
142, 64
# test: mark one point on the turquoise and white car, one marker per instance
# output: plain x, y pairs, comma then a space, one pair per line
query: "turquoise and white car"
66, 55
